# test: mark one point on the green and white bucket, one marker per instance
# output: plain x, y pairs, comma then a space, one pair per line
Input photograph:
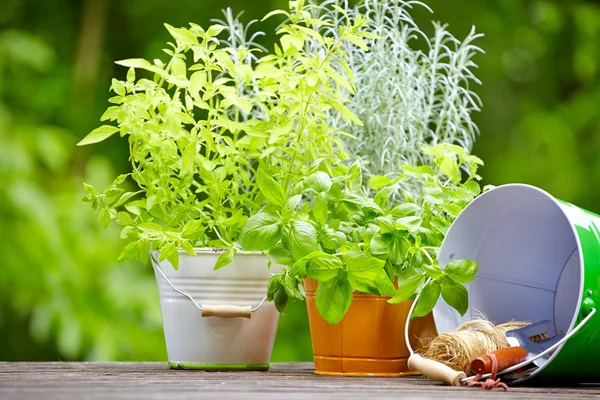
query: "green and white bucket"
539, 259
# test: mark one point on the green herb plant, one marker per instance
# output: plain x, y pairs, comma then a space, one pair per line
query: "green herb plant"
412, 87
217, 120
332, 232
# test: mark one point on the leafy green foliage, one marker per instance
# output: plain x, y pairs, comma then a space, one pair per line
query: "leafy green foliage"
61, 290
217, 132
347, 240
415, 87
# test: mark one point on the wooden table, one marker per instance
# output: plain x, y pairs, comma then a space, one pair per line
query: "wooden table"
66, 380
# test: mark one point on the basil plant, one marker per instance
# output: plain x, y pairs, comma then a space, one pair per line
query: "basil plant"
329, 229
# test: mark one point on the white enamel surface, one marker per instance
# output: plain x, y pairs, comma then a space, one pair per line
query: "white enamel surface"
527, 252
192, 338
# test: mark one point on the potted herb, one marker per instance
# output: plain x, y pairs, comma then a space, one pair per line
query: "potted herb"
218, 138
360, 256
413, 87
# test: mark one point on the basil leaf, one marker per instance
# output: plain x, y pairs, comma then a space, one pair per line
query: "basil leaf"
405, 209
382, 197
128, 251
384, 285
333, 299
398, 250
377, 182
323, 267
224, 259
407, 289
331, 239
319, 182
261, 232
380, 244
270, 188
455, 295
362, 265
411, 224
462, 271
433, 271
381, 286
427, 299
280, 299
303, 239
98, 135
386, 224
290, 205
320, 209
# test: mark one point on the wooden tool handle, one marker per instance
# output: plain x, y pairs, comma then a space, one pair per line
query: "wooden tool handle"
506, 357
435, 370
226, 311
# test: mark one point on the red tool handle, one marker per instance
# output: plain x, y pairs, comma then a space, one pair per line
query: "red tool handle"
506, 357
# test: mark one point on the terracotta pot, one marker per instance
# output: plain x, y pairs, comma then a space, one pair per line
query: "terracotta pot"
369, 341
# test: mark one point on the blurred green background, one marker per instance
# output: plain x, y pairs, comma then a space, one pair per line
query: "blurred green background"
62, 294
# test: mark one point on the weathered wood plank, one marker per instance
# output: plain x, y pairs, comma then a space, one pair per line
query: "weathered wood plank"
284, 381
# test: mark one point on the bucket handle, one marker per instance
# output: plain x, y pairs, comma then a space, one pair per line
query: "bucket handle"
444, 373
207, 310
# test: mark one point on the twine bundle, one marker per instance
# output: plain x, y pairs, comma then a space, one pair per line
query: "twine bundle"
458, 348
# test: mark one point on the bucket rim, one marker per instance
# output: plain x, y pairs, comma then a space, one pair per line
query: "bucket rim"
559, 206
215, 251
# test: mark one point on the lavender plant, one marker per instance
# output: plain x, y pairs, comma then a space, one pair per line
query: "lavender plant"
405, 97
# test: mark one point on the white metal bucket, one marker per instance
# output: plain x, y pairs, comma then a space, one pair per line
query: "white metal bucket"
197, 341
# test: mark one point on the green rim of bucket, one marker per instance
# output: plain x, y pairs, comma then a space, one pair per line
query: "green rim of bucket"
219, 367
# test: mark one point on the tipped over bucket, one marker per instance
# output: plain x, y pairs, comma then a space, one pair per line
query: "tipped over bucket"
539, 260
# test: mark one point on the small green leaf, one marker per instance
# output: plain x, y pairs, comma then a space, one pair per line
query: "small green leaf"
191, 228
378, 182
128, 252
427, 299
462, 271
134, 63
280, 299
98, 135
407, 289
169, 252
225, 258
290, 205
270, 188
399, 250
382, 197
90, 189
363, 265
104, 216
323, 267
405, 209
412, 224
182, 36
433, 271
333, 299
319, 182
381, 286
380, 244
275, 12
188, 248
214, 30
188, 157
123, 199
384, 285
320, 209
124, 219
261, 232
455, 295
303, 239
